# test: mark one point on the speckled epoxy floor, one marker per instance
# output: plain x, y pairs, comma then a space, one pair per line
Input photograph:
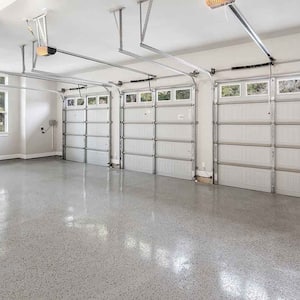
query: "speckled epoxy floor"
70, 231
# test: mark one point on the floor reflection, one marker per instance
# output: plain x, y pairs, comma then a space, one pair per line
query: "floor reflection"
3, 219
124, 235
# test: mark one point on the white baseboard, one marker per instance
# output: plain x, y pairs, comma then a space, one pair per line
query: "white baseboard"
30, 156
39, 155
10, 156
205, 174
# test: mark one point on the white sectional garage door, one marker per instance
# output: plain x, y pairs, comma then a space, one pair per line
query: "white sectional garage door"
257, 137
158, 132
288, 136
138, 132
87, 129
175, 130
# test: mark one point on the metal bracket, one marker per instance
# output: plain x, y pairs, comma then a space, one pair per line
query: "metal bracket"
251, 31
41, 29
144, 25
119, 23
143, 31
23, 59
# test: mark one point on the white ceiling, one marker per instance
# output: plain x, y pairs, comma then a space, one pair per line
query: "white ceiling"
87, 27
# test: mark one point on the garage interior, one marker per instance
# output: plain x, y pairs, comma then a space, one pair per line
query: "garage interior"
150, 149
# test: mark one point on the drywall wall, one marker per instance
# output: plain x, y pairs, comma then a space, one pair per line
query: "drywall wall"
282, 48
10, 142
40, 108
28, 111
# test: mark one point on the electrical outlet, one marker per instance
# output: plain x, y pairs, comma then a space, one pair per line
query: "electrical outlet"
203, 166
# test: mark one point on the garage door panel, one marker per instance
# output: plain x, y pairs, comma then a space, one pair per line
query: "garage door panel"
177, 150
288, 183
244, 152
139, 163
97, 115
139, 115
98, 129
288, 112
288, 158
288, 135
139, 147
245, 134
174, 132
75, 141
247, 178
258, 156
174, 114
73, 128
139, 130
75, 115
77, 155
258, 112
174, 168
98, 143
165, 129
97, 158
83, 126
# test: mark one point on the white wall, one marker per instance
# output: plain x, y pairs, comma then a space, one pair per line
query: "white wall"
10, 143
282, 48
40, 108
28, 111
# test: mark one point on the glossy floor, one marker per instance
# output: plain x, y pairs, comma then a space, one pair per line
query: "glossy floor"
70, 231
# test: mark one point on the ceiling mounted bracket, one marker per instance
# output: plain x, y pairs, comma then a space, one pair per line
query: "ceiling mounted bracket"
41, 35
41, 30
119, 23
143, 31
144, 25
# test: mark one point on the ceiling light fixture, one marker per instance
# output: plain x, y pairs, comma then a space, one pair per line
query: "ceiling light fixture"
217, 3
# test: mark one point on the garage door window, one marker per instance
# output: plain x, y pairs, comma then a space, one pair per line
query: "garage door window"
71, 102
3, 112
80, 102
103, 100
131, 98
232, 90
291, 86
257, 88
184, 94
92, 100
2, 80
164, 96
146, 97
